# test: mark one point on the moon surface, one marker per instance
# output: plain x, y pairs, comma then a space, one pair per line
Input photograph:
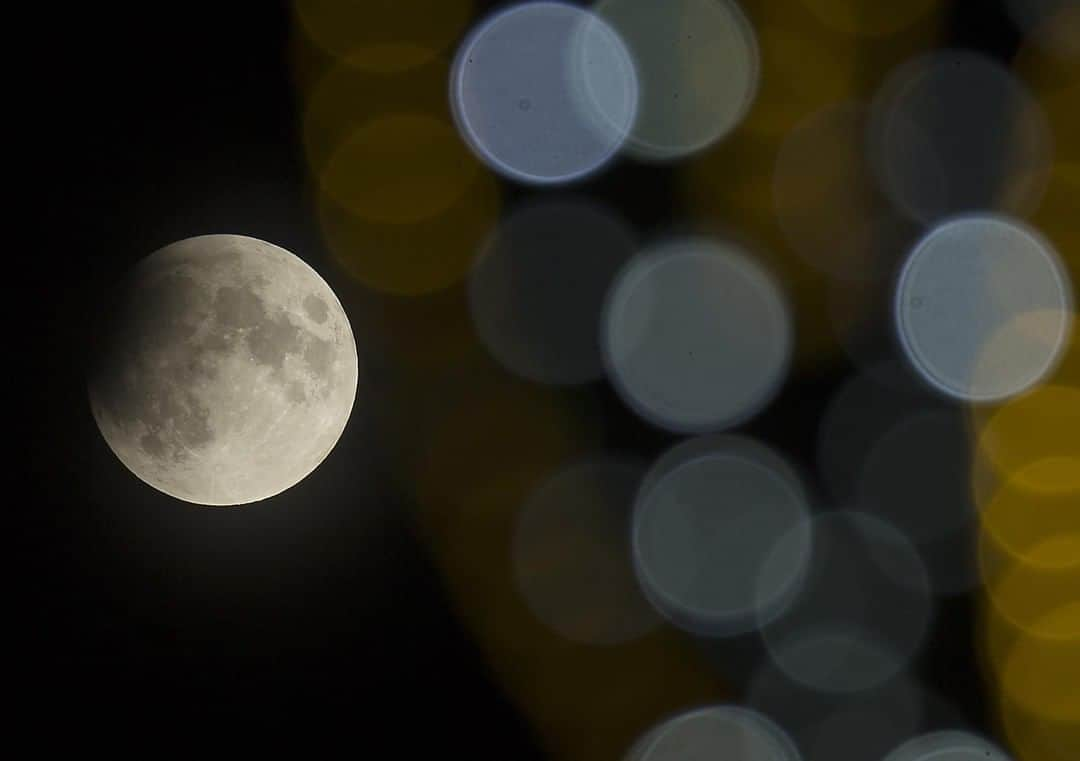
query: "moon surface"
227, 370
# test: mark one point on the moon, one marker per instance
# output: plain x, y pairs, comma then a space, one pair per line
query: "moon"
226, 370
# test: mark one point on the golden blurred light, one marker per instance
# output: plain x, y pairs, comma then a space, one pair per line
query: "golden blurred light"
486, 424
342, 99
383, 35
1054, 79
486, 443
863, 18
1037, 738
1035, 515
1031, 441
790, 90
826, 197
400, 169
1056, 216
426, 256
571, 559
1042, 673
1029, 591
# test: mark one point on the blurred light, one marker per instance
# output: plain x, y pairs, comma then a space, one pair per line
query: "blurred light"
1042, 674
708, 514
571, 557
676, 341
729, 191
826, 196
791, 90
402, 204
484, 442
1050, 23
1048, 61
864, 408
964, 289
399, 169
916, 477
423, 257
1032, 441
950, 129
723, 732
848, 727
1056, 217
383, 35
1026, 590
870, 19
947, 746
342, 99
1036, 738
697, 61
537, 289
544, 92
1031, 670
863, 610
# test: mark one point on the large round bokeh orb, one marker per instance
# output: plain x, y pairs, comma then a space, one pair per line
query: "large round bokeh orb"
226, 372
544, 92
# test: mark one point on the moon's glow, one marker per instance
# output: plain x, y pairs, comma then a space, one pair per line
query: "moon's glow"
228, 370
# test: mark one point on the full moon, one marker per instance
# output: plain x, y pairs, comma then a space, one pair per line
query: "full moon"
226, 372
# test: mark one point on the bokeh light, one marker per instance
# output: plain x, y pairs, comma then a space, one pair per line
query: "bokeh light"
826, 196
839, 727
340, 99
1031, 442
861, 19
948, 744
418, 258
964, 291
790, 90
403, 206
1035, 738
537, 288
697, 62
675, 341
399, 169
859, 414
951, 129
864, 608
1026, 588
723, 732
383, 35
1042, 673
1051, 24
479, 446
709, 514
571, 558
544, 92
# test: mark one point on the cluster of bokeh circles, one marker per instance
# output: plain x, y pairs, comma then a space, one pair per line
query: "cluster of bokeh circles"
851, 191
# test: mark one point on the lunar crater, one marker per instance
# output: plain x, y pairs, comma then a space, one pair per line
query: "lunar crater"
227, 373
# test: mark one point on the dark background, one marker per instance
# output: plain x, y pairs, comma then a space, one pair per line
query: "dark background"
320, 614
